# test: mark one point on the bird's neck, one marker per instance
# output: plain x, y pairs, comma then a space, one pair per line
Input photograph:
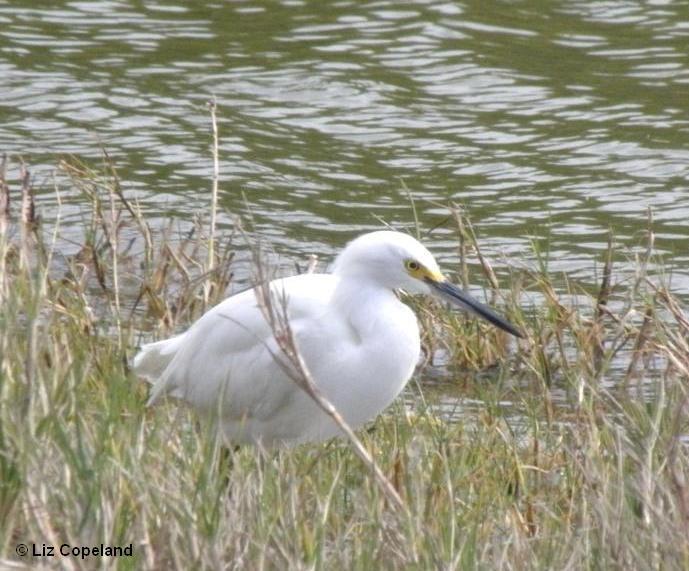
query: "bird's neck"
356, 291
361, 301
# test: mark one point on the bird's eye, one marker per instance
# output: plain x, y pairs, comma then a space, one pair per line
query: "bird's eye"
412, 266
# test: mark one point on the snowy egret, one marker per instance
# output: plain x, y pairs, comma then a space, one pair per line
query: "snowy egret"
359, 342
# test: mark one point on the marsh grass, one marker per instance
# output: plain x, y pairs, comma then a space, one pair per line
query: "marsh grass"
591, 473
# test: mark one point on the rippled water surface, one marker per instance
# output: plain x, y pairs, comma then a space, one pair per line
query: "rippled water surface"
555, 119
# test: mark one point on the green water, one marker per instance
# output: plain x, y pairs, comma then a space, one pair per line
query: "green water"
557, 119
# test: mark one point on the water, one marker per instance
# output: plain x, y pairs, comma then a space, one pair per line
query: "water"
554, 119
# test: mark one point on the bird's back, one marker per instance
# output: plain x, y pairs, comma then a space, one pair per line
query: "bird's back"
225, 332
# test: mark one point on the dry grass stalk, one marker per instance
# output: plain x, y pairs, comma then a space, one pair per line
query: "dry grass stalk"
485, 263
133, 209
642, 339
457, 215
113, 232
214, 199
4, 197
174, 283
28, 215
29, 220
598, 328
412, 204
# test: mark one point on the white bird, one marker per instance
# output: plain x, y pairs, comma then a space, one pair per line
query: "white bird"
359, 342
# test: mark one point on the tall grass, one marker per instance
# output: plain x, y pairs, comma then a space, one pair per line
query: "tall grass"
591, 474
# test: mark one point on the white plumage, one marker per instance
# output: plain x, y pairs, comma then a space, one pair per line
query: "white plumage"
359, 342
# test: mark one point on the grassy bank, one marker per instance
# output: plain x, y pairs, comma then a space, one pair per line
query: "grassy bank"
591, 474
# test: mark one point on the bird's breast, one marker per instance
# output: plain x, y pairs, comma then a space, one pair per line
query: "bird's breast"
368, 361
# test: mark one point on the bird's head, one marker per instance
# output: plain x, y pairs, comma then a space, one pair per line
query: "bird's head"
398, 261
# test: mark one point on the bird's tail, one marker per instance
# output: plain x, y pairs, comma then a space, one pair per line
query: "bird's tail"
153, 359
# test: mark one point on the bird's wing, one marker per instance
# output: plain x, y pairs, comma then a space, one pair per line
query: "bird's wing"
228, 357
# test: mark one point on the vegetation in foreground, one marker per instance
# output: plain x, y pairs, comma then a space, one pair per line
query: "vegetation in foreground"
590, 474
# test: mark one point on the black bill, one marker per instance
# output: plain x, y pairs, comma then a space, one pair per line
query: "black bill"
453, 294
